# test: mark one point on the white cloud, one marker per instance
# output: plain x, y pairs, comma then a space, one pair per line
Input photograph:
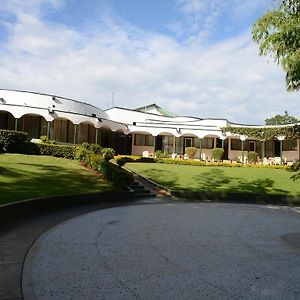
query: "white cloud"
226, 80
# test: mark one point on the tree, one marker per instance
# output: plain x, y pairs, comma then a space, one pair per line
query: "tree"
278, 35
281, 119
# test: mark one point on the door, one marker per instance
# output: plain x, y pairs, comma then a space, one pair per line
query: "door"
188, 142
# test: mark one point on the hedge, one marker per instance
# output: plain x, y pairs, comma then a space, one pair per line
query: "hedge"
134, 158
118, 176
13, 141
190, 162
65, 151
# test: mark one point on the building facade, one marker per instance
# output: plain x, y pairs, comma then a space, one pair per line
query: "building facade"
133, 131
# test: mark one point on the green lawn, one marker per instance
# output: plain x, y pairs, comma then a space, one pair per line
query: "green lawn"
30, 176
220, 179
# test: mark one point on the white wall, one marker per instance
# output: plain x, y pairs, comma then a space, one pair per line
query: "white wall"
138, 150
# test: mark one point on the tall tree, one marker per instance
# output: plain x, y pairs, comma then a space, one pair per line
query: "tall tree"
281, 119
278, 35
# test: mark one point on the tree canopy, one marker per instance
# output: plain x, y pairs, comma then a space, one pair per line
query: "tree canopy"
278, 35
281, 119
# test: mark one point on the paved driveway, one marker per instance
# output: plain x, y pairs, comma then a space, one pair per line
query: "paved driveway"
169, 251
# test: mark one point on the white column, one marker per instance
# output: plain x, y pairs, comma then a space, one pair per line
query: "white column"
174, 144
96, 136
132, 144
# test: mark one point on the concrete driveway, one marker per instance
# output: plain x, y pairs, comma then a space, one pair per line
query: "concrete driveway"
169, 251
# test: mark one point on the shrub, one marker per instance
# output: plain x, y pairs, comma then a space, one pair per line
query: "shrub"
252, 157
82, 153
218, 154
108, 153
161, 154
93, 147
214, 164
44, 139
13, 141
135, 158
121, 161
118, 176
294, 167
191, 151
66, 151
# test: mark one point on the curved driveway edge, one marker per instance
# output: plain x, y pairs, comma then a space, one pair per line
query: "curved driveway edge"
18, 233
16, 210
169, 251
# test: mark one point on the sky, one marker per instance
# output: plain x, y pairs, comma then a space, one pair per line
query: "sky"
191, 57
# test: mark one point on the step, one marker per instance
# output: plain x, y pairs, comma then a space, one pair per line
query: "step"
136, 187
143, 195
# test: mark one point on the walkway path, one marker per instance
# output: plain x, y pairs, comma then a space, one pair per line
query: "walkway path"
169, 251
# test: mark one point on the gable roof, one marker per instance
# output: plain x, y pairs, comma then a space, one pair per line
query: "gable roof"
155, 109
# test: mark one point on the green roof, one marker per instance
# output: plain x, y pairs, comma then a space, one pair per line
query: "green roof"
160, 110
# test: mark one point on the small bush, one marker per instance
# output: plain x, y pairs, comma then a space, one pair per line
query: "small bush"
65, 151
13, 141
218, 154
108, 153
93, 147
191, 151
294, 167
252, 157
82, 153
44, 139
121, 161
161, 154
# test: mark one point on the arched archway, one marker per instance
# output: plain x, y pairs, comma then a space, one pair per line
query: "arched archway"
122, 142
7, 120
106, 138
35, 125
86, 133
62, 130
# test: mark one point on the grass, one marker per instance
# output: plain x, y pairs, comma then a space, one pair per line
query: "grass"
222, 180
30, 176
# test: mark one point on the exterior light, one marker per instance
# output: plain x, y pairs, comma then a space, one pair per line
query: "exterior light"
50, 110
281, 138
2, 101
243, 139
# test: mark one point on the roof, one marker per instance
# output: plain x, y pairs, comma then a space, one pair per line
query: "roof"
155, 109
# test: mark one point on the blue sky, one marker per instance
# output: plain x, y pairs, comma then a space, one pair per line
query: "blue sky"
193, 57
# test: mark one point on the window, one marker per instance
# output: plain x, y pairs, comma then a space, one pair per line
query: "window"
167, 143
236, 144
289, 145
252, 146
143, 140
207, 143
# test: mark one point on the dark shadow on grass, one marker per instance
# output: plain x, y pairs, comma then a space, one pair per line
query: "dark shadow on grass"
45, 181
215, 185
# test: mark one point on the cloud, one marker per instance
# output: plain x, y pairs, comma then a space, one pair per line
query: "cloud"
203, 18
223, 80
